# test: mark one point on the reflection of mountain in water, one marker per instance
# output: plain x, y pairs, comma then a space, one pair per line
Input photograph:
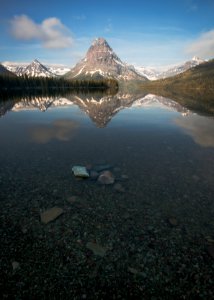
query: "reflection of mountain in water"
100, 108
159, 101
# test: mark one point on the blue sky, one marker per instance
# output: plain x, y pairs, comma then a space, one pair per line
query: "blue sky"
145, 33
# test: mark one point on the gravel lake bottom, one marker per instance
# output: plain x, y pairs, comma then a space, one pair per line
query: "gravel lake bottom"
148, 233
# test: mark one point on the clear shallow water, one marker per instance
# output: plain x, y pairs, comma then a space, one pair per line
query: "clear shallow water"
163, 157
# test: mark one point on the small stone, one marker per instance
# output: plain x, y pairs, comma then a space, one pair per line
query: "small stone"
106, 178
210, 251
100, 168
119, 188
96, 249
24, 230
210, 240
116, 169
72, 199
132, 270
80, 171
94, 175
88, 167
51, 214
195, 177
15, 265
173, 221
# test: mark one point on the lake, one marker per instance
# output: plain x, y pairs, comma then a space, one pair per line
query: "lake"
149, 234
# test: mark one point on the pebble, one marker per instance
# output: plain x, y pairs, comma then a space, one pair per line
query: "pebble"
80, 171
100, 168
133, 270
124, 176
210, 251
51, 214
15, 265
119, 188
72, 199
94, 174
96, 249
173, 221
106, 177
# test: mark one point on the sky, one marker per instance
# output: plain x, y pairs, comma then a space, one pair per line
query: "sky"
146, 33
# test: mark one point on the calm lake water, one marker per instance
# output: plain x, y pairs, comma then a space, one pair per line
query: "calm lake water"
150, 234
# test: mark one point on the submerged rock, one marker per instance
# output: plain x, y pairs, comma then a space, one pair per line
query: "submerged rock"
119, 188
15, 265
106, 177
94, 175
51, 214
80, 171
100, 168
210, 250
96, 249
173, 221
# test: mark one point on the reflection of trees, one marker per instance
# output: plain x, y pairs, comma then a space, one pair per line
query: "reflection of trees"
99, 106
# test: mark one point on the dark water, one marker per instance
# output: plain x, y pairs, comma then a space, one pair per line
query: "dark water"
155, 232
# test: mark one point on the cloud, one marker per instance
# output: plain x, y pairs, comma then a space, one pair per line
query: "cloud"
192, 5
61, 130
79, 17
51, 32
203, 46
199, 128
108, 28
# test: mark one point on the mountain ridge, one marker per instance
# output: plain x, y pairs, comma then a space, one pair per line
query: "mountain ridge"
101, 61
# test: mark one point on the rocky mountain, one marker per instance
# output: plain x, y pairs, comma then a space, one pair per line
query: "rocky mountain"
15, 67
153, 74
102, 62
195, 61
159, 101
58, 69
40, 103
150, 73
5, 72
36, 69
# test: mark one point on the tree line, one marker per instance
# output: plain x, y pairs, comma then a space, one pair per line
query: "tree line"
25, 83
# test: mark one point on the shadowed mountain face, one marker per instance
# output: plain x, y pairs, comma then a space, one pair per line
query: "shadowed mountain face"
100, 108
5, 72
101, 61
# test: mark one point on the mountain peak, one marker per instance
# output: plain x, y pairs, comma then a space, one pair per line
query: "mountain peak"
36, 69
197, 59
99, 41
36, 61
102, 62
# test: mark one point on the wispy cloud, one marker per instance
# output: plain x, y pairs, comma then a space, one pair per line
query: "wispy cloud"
192, 5
108, 27
51, 32
79, 17
203, 46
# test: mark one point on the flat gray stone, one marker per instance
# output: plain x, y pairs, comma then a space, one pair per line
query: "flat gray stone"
96, 249
80, 171
51, 214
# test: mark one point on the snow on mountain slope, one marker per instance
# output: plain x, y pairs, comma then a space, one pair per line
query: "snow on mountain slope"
101, 61
159, 101
153, 74
36, 69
